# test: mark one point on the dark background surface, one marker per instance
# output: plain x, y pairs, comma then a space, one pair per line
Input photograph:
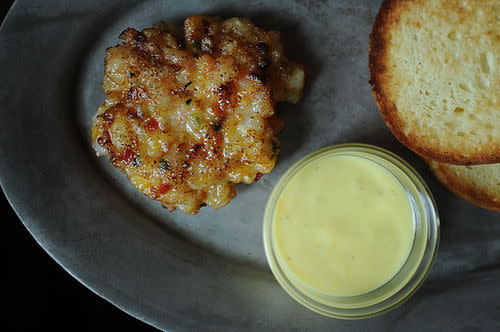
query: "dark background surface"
42, 296
39, 294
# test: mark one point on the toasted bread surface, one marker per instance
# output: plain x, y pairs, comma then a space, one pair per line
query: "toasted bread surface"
478, 184
435, 75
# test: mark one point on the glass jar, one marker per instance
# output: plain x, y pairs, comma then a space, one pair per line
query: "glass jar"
405, 281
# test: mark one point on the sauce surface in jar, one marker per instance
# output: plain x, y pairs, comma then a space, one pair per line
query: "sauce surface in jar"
343, 225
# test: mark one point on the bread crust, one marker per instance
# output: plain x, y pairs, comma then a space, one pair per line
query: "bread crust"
378, 55
465, 187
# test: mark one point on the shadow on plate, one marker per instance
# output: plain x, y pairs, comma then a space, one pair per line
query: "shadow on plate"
117, 186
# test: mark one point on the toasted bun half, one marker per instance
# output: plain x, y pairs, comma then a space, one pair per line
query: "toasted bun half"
435, 75
479, 184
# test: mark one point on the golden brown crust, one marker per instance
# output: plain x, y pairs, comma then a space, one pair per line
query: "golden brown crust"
379, 78
189, 114
464, 187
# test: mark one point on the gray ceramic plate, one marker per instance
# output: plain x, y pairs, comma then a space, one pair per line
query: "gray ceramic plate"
209, 270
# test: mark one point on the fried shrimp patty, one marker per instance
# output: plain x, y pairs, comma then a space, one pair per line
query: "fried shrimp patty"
189, 114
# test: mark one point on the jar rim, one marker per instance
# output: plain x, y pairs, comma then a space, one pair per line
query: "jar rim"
363, 305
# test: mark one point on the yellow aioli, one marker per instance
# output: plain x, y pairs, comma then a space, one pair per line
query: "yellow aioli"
344, 225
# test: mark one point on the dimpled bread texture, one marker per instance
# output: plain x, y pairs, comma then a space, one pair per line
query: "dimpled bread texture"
478, 184
435, 75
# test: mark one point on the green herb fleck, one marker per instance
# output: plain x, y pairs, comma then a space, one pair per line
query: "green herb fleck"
186, 86
136, 161
164, 165
196, 48
197, 119
217, 126
197, 45
189, 101
274, 147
